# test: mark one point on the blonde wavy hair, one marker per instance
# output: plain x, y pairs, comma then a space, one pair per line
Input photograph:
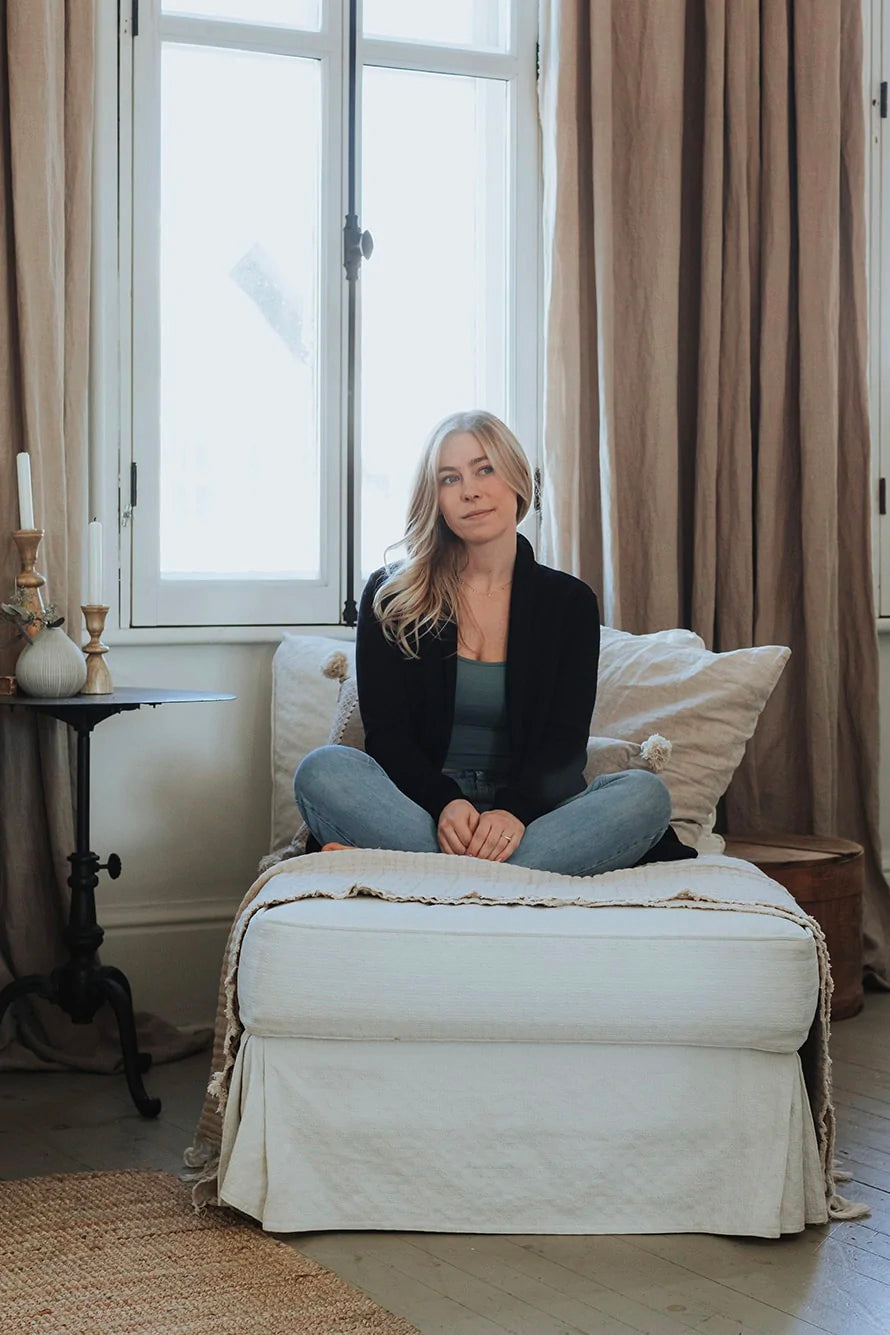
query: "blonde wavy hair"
422, 590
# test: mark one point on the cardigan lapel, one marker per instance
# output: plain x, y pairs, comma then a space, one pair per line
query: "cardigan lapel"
521, 638
439, 659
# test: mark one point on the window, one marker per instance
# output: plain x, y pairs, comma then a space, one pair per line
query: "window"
277, 407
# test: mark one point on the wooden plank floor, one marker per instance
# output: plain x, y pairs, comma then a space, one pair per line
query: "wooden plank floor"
834, 1279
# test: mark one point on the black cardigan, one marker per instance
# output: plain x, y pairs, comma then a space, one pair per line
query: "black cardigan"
407, 705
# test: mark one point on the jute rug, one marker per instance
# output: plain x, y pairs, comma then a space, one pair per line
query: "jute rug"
126, 1254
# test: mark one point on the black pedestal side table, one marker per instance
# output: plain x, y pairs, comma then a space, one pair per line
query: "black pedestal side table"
81, 984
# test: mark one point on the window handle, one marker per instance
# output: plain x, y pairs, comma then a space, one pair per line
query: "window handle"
357, 245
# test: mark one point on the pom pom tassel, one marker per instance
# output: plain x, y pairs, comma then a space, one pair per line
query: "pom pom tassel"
656, 752
336, 667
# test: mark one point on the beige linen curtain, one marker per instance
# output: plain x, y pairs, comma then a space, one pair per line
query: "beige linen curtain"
706, 433
46, 120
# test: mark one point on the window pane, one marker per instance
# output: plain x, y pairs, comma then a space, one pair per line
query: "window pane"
482, 24
434, 293
283, 13
240, 191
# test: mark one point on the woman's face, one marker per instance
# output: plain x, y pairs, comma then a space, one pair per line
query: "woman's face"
475, 502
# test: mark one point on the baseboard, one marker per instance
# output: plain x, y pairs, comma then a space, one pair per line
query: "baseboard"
168, 913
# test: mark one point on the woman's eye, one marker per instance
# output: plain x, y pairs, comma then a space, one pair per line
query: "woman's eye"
486, 468
452, 478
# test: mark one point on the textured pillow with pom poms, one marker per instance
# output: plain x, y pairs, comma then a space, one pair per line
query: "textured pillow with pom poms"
609, 755
347, 728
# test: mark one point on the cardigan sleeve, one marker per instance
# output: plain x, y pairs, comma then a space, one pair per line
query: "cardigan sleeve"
552, 770
389, 737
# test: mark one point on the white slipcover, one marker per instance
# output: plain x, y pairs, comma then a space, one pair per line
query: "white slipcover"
507, 1068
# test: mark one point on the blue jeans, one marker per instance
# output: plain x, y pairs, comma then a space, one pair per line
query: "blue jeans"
347, 798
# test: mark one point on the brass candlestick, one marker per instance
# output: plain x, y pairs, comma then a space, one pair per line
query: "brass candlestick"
29, 580
98, 680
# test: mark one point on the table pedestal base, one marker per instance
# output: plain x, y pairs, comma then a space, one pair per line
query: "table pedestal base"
80, 993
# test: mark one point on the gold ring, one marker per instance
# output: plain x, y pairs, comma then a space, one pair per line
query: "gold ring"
507, 836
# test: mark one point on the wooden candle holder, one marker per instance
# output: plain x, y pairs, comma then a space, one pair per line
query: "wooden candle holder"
29, 579
98, 680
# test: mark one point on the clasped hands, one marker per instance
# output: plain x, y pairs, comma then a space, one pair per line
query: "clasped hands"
492, 835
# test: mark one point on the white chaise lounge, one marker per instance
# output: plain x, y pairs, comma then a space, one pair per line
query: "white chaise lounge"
420, 1042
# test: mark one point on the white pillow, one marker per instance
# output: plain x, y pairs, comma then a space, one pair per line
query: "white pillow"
303, 704
707, 703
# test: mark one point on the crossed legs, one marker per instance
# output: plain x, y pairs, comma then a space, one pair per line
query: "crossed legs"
347, 798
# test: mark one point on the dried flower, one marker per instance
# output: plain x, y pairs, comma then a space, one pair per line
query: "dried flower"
22, 616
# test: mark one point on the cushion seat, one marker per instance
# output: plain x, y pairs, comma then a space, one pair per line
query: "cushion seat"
369, 969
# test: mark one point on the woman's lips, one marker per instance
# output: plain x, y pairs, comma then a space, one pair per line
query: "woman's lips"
478, 514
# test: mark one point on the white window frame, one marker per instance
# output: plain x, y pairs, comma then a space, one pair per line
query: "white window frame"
153, 601
115, 444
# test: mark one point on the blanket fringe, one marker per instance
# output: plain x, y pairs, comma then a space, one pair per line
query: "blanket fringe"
839, 1174
840, 1208
201, 1167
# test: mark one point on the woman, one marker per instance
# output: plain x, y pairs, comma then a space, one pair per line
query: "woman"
476, 671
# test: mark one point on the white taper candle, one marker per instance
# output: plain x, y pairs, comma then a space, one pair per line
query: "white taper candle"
94, 571
26, 496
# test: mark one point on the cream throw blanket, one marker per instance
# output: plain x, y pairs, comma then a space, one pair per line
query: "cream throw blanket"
431, 878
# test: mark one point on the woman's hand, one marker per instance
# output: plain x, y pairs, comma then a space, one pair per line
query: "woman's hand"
496, 837
457, 822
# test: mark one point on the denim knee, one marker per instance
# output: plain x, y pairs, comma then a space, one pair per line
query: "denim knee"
650, 796
321, 769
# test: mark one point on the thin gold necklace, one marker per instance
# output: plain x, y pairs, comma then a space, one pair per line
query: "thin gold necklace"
485, 594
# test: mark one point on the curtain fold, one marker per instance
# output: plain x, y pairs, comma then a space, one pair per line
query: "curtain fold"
706, 435
46, 136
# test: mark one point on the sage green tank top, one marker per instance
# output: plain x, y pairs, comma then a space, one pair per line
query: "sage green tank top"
479, 736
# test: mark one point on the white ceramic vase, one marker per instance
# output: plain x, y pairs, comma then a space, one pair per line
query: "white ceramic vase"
51, 665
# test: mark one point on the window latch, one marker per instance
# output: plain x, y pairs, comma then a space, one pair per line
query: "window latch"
127, 514
357, 245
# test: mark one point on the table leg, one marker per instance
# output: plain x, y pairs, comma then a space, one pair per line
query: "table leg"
118, 995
